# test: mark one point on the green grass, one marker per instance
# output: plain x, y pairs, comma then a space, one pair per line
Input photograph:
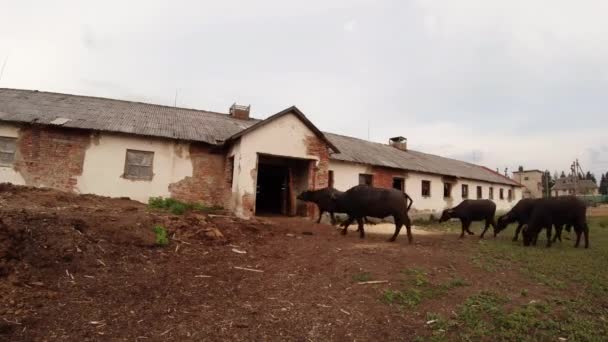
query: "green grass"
177, 207
416, 287
161, 235
573, 304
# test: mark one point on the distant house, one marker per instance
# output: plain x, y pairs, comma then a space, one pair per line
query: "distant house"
570, 185
120, 148
532, 180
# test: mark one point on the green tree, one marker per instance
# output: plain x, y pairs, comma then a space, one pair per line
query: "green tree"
590, 176
604, 184
547, 182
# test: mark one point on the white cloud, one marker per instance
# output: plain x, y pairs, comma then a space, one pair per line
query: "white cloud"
520, 82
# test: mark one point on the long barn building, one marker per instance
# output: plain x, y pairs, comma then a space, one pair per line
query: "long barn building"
129, 149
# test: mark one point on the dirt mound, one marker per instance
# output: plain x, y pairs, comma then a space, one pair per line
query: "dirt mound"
59, 230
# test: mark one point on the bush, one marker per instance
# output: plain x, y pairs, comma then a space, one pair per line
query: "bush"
161, 235
177, 207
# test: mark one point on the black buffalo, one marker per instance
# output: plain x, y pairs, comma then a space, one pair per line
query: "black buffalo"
323, 199
548, 212
521, 213
363, 200
472, 210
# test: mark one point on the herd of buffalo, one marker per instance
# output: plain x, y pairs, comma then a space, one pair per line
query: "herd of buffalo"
533, 215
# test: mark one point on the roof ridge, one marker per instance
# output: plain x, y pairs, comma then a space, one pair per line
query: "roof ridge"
122, 100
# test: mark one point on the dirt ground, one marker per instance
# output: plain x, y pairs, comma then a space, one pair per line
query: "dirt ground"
599, 211
86, 268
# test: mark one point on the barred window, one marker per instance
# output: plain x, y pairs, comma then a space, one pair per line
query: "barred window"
138, 165
465, 191
447, 190
8, 146
426, 188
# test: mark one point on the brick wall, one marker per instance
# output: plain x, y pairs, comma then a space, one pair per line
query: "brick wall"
383, 177
317, 175
51, 157
209, 181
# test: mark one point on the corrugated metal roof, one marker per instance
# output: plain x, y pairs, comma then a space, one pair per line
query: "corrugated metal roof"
366, 152
118, 116
111, 115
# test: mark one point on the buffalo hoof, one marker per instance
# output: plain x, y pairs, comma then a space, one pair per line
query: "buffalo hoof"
343, 232
514, 239
470, 233
391, 240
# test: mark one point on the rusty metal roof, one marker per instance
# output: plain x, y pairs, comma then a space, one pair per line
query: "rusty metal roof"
103, 114
371, 153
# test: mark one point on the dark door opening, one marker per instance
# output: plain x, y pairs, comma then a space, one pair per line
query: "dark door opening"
399, 184
279, 181
271, 189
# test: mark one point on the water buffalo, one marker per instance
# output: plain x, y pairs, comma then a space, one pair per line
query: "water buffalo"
323, 199
471, 210
364, 200
521, 213
557, 212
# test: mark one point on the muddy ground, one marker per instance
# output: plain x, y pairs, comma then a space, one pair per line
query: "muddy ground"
87, 268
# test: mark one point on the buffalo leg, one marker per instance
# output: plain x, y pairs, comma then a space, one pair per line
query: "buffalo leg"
346, 224
408, 228
578, 232
468, 228
485, 229
398, 225
361, 230
558, 233
465, 228
517, 231
333, 218
320, 215
548, 235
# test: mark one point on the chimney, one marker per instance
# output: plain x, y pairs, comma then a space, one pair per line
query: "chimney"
240, 112
398, 142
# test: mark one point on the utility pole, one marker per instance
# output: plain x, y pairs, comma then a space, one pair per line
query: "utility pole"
574, 176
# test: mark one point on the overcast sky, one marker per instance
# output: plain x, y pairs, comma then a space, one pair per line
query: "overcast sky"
498, 83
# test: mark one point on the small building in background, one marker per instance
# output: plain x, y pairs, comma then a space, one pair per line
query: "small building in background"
532, 180
570, 185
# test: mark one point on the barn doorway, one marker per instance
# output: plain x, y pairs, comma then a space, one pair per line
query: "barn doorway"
279, 181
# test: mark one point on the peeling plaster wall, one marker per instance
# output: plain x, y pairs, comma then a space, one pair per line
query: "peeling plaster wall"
8, 174
287, 136
104, 166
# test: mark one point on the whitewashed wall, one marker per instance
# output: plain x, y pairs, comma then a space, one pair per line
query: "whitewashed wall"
284, 137
346, 175
104, 166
